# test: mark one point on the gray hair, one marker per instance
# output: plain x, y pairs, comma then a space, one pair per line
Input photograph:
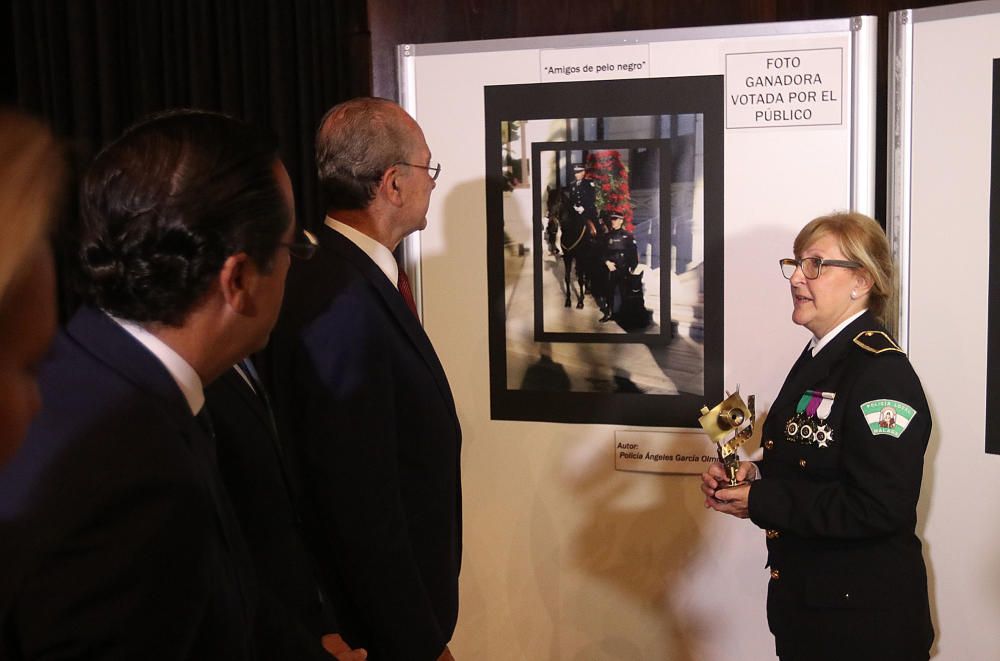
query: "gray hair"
357, 141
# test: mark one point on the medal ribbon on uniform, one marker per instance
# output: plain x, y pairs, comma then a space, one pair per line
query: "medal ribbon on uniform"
824, 405
803, 402
795, 423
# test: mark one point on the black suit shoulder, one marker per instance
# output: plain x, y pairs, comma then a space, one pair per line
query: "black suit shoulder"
112, 518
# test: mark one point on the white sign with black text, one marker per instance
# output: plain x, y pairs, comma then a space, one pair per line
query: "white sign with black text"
559, 65
785, 88
679, 451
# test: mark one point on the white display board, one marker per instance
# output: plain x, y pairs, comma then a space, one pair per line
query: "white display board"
942, 132
565, 557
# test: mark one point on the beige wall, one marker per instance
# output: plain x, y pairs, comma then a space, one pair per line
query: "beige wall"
949, 250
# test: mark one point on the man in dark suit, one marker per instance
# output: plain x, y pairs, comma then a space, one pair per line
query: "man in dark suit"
117, 538
366, 398
294, 619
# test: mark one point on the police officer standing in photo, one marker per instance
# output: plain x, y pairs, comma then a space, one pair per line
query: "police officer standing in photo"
620, 257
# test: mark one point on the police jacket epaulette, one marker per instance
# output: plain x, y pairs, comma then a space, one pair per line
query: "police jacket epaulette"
877, 342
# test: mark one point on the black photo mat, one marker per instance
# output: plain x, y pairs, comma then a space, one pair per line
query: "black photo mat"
542, 333
694, 95
993, 323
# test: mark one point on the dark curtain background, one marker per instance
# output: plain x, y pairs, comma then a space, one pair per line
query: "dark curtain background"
93, 67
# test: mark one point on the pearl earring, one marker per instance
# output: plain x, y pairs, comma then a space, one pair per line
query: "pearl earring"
854, 294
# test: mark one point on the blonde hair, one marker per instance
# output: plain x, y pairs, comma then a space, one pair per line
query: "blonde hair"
31, 178
862, 240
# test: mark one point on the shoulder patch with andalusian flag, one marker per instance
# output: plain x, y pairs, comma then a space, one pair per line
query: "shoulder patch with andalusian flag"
887, 416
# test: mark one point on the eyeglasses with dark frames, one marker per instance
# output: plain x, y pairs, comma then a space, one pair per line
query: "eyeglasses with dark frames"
812, 267
304, 249
433, 169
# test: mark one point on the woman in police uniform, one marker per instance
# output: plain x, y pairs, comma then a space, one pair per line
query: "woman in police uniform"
837, 489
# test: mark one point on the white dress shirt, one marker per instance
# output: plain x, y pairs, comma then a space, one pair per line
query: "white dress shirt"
182, 373
379, 254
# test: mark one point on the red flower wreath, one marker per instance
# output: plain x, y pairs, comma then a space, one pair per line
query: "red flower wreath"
611, 176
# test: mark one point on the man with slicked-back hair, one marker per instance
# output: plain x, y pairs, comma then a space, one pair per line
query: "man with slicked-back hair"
365, 397
117, 538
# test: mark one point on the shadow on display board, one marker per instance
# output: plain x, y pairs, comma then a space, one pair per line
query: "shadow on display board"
605, 255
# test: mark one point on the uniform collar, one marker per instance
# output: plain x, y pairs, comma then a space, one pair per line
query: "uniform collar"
816, 344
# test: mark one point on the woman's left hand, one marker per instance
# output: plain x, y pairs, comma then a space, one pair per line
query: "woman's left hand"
733, 500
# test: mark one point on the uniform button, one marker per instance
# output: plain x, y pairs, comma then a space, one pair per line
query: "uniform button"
802, 463
772, 534
769, 444
775, 574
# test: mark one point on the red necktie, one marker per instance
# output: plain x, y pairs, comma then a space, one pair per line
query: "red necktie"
404, 288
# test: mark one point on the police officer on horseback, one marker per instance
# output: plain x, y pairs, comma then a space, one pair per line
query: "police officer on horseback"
583, 196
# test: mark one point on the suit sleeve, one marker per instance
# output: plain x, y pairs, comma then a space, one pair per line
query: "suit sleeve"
879, 484
281, 633
253, 476
129, 581
351, 438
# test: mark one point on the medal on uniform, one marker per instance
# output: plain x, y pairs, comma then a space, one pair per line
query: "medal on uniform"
792, 427
808, 425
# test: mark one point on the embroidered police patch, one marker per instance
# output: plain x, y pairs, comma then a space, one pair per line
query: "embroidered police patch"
887, 416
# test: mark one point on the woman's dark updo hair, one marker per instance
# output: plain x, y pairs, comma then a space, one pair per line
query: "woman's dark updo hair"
167, 203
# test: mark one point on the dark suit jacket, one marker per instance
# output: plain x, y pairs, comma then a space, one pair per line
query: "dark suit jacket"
291, 618
848, 578
117, 540
369, 406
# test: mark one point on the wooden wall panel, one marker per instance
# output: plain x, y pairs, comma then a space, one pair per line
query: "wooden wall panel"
394, 22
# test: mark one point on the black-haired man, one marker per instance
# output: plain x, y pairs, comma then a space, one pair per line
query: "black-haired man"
117, 537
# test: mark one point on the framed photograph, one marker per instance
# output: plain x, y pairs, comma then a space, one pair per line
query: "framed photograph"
572, 250
605, 225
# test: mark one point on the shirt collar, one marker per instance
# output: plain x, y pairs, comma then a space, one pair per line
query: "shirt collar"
378, 253
182, 373
817, 344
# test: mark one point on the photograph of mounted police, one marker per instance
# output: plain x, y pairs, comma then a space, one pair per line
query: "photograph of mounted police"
605, 225
604, 254
599, 239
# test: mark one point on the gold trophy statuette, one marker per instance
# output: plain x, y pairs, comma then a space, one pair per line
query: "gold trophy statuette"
729, 416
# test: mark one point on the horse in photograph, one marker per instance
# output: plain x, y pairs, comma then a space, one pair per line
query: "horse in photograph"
577, 240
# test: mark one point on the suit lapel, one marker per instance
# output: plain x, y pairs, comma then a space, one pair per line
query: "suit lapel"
395, 303
234, 382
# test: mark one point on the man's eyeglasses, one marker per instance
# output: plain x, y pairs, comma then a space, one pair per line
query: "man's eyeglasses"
304, 249
812, 267
433, 169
